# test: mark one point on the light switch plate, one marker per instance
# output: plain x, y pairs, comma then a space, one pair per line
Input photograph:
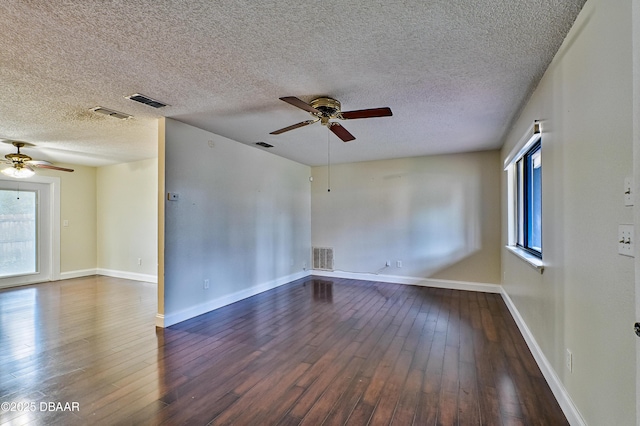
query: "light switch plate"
628, 191
625, 240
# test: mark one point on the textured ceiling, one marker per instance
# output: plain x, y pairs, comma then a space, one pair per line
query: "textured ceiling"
455, 74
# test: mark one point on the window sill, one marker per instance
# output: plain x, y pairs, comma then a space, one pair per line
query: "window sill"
533, 261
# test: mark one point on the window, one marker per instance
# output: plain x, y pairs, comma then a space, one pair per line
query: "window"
529, 200
524, 177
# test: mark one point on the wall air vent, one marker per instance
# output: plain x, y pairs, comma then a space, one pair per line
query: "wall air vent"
110, 112
146, 100
264, 144
323, 258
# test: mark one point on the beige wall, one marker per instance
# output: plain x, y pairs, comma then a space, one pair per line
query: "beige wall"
127, 217
584, 300
111, 214
78, 245
438, 215
112, 218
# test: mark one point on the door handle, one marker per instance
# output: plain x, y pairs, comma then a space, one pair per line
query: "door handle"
636, 327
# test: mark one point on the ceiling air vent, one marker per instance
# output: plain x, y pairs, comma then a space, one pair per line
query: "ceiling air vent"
110, 112
264, 144
146, 100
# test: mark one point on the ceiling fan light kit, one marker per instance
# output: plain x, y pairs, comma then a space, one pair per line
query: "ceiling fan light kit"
324, 109
18, 172
21, 165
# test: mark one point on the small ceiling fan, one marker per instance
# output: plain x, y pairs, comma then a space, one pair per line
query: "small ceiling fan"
22, 165
325, 109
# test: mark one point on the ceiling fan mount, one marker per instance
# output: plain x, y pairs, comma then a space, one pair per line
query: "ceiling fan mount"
328, 107
324, 109
17, 157
22, 165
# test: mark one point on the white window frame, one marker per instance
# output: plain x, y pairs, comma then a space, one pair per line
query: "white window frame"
528, 140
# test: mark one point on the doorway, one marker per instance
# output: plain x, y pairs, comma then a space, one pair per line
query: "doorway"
29, 235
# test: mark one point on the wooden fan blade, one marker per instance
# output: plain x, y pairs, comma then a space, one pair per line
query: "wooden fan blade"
341, 132
300, 104
48, 166
367, 113
295, 126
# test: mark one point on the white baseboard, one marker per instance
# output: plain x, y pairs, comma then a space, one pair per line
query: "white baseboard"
559, 391
170, 319
78, 274
160, 320
127, 275
109, 273
424, 282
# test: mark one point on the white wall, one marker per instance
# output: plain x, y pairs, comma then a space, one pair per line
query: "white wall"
241, 220
439, 215
636, 181
127, 218
584, 300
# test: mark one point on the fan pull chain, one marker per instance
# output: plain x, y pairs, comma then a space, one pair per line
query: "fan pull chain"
18, 190
328, 160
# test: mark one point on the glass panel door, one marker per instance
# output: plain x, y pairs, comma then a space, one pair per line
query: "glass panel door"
25, 232
18, 232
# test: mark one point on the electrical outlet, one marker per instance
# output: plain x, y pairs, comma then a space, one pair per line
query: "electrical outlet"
206, 284
139, 261
569, 360
625, 240
399, 264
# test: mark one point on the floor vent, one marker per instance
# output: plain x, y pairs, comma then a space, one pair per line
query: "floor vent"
146, 100
323, 258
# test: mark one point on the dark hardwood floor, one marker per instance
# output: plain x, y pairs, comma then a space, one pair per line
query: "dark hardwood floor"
315, 351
